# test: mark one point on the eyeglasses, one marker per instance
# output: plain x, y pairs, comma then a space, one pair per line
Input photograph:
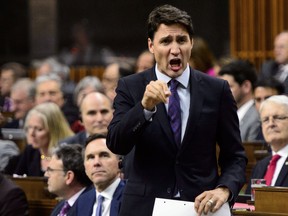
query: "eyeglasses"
50, 170
275, 118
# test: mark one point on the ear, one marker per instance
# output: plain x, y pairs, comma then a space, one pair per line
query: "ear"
246, 86
69, 177
150, 45
120, 162
80, 118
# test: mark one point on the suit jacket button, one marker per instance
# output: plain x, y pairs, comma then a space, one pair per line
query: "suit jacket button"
168, 190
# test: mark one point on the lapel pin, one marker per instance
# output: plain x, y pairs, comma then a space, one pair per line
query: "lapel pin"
286, 163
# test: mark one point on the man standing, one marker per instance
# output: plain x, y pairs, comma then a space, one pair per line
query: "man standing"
103, 169
67, 178
168, 160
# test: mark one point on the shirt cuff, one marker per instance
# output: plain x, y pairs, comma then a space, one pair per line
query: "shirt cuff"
149, 114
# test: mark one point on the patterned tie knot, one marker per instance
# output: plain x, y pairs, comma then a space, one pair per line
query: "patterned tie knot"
173, 84
65, 209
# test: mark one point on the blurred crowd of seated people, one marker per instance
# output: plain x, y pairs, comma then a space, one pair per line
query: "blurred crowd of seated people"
53, 109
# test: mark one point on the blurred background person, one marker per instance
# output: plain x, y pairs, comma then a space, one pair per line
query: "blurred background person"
67, 178
241, 76
52, 65
202, 58
13, 201
10, 73
49, 89
265, 88
144, 61
278, 67
45, 126
85, 86
22, 98
112, 73
83, 51
96, 114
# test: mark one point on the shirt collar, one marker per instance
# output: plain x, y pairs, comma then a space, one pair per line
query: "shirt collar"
282, 152
73, 199
109, 191
183, 79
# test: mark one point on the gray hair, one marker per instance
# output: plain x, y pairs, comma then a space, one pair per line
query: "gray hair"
278, 99
48, 77
90, 81
26, 85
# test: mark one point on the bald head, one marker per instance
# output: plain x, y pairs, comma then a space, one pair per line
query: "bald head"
96, 111
281, 48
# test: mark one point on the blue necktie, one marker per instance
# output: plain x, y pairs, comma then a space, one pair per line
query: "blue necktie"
99, 205
65, 209
174, 111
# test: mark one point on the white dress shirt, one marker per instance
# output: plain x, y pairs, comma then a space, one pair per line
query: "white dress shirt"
280, 163
108, 196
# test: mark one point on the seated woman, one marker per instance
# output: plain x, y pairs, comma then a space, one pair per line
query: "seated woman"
44, 126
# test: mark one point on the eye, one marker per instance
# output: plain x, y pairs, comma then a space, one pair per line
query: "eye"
89, 157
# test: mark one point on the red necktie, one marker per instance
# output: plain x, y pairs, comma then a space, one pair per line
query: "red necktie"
271, 169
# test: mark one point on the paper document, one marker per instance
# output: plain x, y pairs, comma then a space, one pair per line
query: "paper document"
170, 207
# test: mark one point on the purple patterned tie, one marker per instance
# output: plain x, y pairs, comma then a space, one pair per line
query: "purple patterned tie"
174, 111
99, 205
65, 209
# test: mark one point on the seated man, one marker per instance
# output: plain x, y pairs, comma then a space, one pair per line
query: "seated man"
265, 88
96, 114
278, 67
241, 76
67, 178
103, 169
274, 118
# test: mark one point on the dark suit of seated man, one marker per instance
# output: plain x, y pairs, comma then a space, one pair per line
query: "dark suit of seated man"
67, 178
274, 118
103, 169
12, 199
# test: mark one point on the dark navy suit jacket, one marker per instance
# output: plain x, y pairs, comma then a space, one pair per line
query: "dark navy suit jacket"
86, 202
158, 165
79, 138
72, 211
260, 170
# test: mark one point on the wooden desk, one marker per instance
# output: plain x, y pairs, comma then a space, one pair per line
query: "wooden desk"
269, 201
41, 201
35, 188
41, 207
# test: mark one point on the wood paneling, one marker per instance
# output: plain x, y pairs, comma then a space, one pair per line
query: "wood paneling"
253, 27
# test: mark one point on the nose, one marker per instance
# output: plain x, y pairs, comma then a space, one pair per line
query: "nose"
99, 116
175, 49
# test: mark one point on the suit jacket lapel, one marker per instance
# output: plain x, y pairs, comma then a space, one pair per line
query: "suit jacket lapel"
161, 114
116, 201
283, 174
196, 103
87, 206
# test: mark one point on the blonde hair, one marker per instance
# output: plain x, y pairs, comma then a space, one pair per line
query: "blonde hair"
54, 121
